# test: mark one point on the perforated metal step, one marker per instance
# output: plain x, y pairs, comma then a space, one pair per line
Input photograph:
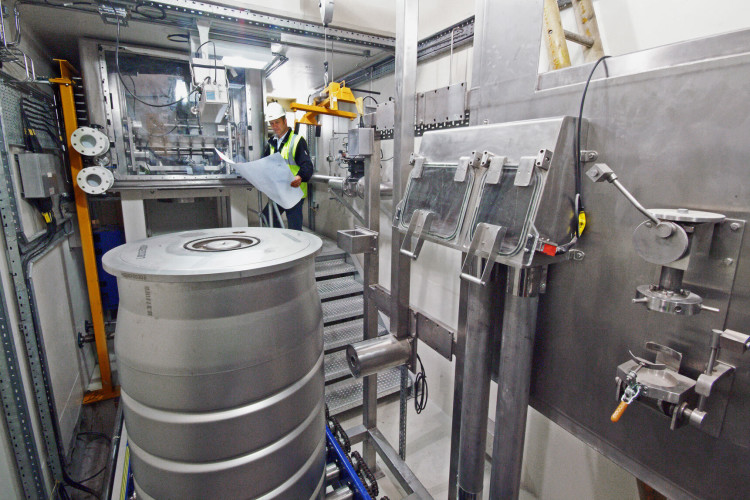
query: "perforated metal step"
338, 287
336, 366
337, 336
347, 394
343, 309
332, 268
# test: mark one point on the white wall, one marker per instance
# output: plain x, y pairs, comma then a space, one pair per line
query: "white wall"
632, 25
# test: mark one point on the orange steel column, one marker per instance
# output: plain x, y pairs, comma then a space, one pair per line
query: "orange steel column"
65, 84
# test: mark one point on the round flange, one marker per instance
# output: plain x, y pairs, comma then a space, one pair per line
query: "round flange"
655, 299
222, 243
658, 246
89, 141
95, 180
686, 215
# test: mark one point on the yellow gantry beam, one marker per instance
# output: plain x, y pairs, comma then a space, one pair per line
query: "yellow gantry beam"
337, 92
65, 84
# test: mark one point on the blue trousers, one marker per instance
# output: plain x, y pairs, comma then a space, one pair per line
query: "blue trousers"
293, 215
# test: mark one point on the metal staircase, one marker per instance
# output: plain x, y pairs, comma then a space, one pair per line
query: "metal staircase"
341, 295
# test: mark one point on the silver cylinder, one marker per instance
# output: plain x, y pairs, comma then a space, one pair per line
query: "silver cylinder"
220, 357
481, 329
514, 379
375, 355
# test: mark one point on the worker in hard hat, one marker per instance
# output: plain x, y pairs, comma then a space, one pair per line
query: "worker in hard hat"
293, 149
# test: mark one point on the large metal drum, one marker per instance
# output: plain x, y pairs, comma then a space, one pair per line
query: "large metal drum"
220, 356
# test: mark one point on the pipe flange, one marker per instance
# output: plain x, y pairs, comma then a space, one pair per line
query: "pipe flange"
89, 141
95, 180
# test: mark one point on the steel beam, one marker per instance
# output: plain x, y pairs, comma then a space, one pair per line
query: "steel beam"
371, 274
398, 468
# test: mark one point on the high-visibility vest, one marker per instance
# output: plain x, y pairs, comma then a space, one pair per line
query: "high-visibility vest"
292, 144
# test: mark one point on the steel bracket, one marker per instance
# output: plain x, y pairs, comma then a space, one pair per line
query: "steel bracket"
487, 240
706, 382
418, 162
358, 240
421, 220
462, 169
495, 169
589, 155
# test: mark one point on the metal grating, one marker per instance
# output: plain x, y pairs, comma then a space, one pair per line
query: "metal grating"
338, 287
347, 394
342, 334
336, 366
334, 267
342, 309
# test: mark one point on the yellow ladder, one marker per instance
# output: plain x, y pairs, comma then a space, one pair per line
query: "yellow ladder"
557, 37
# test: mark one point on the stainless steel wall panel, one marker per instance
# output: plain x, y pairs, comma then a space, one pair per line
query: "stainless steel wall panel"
672, 122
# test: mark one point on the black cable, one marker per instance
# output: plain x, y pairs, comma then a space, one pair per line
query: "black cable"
81, 481
160, 17
420, 388
370, 97
216, 70
577, 145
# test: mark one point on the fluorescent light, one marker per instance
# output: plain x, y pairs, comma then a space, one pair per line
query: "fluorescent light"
243, 62
180, 90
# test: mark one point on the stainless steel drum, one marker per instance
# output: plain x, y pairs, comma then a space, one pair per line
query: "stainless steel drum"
220, 356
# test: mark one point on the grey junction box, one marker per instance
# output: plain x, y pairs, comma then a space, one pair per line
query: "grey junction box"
39, 174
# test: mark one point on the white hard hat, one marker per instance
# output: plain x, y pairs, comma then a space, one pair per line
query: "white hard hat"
274, 111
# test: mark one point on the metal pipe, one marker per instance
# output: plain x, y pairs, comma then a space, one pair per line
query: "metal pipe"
557, 47
332, 473
514, 379
343, 493
715, 340
458, 383
324, 179
482, 323
635, 202
371, 275
374, 355
671, 279
586, 41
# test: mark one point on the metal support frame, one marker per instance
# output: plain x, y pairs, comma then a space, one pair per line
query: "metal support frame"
407, 15
65, 84
371, 272
33, 342
514, 380
12, 393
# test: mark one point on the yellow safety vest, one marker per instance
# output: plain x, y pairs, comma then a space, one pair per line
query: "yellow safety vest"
291, 143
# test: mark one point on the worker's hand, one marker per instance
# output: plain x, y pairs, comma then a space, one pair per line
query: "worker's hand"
296, 182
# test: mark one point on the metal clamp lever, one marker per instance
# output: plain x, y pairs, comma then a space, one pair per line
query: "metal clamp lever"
487, 239
421, 220
631, 393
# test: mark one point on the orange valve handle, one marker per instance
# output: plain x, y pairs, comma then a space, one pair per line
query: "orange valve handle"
619, 411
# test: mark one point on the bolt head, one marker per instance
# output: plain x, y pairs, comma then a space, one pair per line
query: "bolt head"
735, 226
